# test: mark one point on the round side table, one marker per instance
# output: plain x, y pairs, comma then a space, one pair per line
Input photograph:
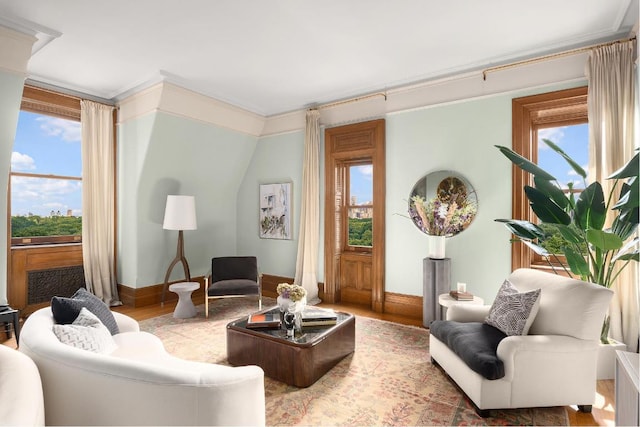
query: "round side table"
184, 308
446, 301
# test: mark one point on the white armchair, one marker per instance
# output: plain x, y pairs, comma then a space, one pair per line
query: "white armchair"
555, 365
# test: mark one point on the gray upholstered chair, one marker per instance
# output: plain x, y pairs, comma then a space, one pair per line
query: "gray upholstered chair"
232, 277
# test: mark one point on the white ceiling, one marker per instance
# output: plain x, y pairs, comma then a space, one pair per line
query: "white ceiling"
275, 56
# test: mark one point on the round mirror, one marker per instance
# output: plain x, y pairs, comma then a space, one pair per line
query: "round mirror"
443, 203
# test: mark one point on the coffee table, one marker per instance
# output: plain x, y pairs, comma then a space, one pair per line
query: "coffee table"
298, 361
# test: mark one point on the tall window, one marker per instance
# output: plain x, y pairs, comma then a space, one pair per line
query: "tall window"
359, 206
562, 118
46, 171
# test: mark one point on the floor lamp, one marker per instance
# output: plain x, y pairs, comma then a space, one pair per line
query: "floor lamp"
179, 214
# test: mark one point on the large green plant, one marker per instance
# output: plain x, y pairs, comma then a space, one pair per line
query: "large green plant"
593, 252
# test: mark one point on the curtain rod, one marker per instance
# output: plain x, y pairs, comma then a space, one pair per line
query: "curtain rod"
553, 55
349, 101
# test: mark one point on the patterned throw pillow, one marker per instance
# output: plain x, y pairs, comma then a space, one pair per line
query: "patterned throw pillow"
87, 333
66, 310
513, 312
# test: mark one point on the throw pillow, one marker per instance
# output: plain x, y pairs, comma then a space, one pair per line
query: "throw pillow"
86, 333
513, 312
66, 310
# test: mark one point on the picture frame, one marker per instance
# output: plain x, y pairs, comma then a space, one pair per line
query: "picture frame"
275, 208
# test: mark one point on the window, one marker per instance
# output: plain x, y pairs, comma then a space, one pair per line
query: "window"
562, 118
359, 206
46, 171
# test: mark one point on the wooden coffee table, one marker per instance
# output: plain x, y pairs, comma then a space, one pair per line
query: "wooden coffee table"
298, 361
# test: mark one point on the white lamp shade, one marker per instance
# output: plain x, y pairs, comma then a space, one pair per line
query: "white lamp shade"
180, 213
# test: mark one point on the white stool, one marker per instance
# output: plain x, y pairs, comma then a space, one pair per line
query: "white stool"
446, 301
184, 308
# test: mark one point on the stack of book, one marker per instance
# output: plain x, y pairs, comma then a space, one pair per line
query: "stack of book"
315, 316
264, 319
461, 296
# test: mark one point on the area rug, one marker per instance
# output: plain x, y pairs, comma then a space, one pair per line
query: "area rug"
388, 381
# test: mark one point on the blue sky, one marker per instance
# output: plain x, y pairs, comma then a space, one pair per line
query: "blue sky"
574, 140
46, 145
362, 183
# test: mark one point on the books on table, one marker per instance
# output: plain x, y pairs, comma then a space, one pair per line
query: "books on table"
316, 316
461, 296
264, 319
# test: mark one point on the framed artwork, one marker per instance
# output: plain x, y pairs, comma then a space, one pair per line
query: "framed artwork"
275, 211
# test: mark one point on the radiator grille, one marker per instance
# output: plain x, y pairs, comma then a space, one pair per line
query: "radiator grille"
44, 284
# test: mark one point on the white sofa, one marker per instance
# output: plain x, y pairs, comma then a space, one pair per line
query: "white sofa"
21, 401
555, 365
139, 383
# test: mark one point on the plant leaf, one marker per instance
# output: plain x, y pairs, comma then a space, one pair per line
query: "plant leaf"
576, 261
569, 233
625, 254
576, 167
631, 169
551, 190
545, 208
604, 240
523, 229
590, 211
525, 164
536, 248
629, 195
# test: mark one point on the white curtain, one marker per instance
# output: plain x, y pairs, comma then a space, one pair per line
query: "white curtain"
611, 103
98, 198
307, 260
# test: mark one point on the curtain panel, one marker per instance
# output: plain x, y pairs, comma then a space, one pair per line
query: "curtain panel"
611, 104
98, 201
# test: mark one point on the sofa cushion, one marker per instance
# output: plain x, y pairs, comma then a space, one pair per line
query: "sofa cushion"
87, 333
66, 310
475, 343
513, 312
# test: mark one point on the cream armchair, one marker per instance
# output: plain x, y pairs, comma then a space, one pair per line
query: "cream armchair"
554, 365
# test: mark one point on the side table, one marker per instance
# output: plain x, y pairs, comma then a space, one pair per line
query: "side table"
446, 301
185, 308
7, 316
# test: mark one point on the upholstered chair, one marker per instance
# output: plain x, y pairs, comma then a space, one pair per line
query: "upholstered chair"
232, 277
553, 364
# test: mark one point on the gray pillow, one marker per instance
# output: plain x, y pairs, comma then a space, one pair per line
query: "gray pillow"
513, 312
86, 333
66, 310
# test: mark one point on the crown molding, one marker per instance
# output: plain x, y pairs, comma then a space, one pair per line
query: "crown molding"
16, 50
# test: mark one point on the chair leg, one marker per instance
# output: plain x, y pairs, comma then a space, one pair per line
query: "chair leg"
206, 305
585, 408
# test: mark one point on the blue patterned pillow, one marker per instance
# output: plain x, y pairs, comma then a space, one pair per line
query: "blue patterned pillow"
66, 310
513, 312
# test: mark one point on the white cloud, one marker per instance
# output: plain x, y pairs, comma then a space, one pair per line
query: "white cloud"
366, 170
68, 130
44, 190
22, 162
555, 135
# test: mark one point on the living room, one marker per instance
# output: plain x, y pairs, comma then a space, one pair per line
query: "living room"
173, 140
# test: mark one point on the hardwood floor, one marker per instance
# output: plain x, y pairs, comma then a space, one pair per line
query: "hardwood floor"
603, 409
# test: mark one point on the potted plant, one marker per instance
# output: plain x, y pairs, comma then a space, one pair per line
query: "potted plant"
593, 251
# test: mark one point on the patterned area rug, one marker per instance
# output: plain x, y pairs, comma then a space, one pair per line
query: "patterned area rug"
389, 380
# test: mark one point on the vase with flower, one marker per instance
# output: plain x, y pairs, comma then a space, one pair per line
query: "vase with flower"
445, 215
292, 298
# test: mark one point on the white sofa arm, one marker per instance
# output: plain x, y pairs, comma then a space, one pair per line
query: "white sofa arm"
544, 353
125, 323
468, 312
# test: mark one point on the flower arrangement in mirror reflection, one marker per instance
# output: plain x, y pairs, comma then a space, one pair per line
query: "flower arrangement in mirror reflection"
446, 214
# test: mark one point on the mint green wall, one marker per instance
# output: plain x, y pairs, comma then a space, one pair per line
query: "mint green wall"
162, 154
11, 89
276, 159
457, 137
